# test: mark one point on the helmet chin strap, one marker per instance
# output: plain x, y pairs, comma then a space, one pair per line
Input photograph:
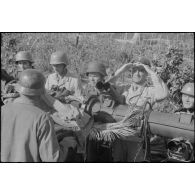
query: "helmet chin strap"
63, 73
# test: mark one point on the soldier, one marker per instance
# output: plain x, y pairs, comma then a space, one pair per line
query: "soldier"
5, 79
139, 91
23, 61
61, 78
135, 95
96, 73
27, 132
187, 99
180, 144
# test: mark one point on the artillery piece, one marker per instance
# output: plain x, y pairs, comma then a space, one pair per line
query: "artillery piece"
169, 126
162, 124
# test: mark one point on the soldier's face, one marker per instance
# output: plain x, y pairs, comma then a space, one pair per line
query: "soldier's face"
94, 77
188, 101
23, 65
59, 68
139, 75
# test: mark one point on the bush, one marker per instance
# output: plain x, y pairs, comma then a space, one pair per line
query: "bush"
172, 54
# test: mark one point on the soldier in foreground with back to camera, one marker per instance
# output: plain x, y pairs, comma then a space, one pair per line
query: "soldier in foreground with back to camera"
27, 131
137, 94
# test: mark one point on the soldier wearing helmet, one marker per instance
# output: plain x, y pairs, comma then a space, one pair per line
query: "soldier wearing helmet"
26, 57
24, 60
61, 78
27, 131
96, 73
187, 99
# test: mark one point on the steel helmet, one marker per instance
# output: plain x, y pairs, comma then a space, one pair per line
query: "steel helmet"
31, 83
188, 89
96, 67
58, 57
145, 61
24, 55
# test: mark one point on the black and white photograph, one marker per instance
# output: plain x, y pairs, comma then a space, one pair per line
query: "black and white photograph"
97, 97
122, 97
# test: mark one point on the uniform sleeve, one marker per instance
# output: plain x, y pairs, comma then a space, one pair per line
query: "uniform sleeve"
123, 88
49, 149
159, 91
77, 88
47, 86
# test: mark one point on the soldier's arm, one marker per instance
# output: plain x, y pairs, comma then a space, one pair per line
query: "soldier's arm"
65, 109
160, 89
117, 96
78, 89
47, 84
49, 148
118, 73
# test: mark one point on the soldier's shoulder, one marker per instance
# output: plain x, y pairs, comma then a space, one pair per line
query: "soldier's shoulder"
72, 75
123, 86
51, 76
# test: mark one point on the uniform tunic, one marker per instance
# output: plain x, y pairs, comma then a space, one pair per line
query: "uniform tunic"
68, 81
126, 150
139, 94
27, 134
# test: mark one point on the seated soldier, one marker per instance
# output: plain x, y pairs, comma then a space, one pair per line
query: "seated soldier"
187, 108
187, 99
140, 90
96, 74
24, 61
137, 94
61, 78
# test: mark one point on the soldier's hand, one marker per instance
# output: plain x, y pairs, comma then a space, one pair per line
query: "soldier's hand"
8, 100
69, 142
127, 66
9, 88
147, 68
54, 87
69, 112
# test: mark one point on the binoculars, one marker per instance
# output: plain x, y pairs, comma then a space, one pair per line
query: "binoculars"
102, 86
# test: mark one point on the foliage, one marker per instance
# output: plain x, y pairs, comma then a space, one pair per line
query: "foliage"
172, 54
